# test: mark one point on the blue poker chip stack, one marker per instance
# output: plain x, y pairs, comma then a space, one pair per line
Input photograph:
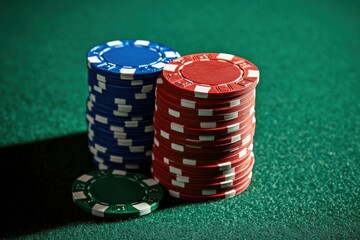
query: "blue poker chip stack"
122, 77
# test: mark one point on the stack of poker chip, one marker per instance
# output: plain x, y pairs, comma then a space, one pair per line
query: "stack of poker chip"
204, 124
122, 77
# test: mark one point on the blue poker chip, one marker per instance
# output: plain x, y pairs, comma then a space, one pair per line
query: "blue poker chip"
120, 99
118, 144
119, 90
120, 112
112, 142
104, 147
100, 80
121, 159
125, 166
116, 89
117, 110
139, 140
118, 129
114, 161
94, 130
130, 59
121, 119
124, 95
119, 151
116, 116
119, 135
104, 131
96, 117
121, 107
100, 124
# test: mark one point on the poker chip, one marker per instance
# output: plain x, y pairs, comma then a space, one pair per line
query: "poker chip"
184, 139
130, 59
205, 188
102, 164
204, 124
181, 126
205, 121
178, 148
208, 109
122, 76
223, 195
116, 193
198, 103
195, 166
210, 75
104, 81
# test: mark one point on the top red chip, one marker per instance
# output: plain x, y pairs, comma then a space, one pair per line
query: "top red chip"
210, 75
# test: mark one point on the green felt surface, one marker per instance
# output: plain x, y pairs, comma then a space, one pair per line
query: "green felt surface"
306, 176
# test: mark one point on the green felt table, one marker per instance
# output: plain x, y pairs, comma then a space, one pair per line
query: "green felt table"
306, 176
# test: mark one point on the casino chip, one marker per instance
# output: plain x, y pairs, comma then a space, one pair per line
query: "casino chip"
122, 76
116, 193
204, 124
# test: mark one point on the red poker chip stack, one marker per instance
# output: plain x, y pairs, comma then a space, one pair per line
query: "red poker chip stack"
204, 123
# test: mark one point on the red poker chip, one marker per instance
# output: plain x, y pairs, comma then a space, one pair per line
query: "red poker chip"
160, 82
209, 167
202, 175
230, 192
198, 96
173, 115
179, 148
189, 151
222, 162
225, 141
215, 152
188, 115
198, 180
210, 75
197, 103
183, 140
219, 141
201, 160
203, 180
204, 185
217, 185
193, 123
206, 123
183, 128
202, 191
202, 121
203, 165
207, 128
194, 174
208, 110
218, 157
234, 130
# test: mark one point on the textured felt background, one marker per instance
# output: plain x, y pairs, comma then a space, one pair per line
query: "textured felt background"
306, 177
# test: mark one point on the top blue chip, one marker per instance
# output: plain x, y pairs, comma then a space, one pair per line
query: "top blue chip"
130, 59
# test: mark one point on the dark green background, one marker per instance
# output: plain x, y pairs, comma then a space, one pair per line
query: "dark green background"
306, 177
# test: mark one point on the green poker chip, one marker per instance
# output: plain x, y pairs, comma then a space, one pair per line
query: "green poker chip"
116, 193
